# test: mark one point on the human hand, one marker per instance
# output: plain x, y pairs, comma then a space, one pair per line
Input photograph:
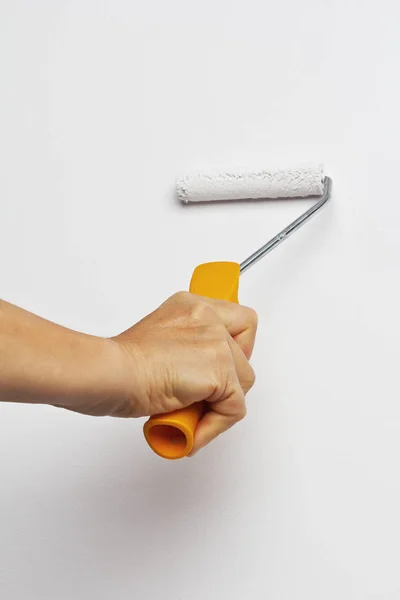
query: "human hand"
190, 349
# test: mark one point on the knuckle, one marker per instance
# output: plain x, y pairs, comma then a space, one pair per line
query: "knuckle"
238, 407
242, 412
180, 297
220, 332
192, 309
251, 377
201, 312
248, 380
253, 317
213, 386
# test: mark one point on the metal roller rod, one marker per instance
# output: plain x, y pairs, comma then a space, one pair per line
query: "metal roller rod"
285, 233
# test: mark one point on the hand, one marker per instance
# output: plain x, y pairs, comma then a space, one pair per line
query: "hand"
190, 349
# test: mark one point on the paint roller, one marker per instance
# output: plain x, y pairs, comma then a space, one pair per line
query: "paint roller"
171, 435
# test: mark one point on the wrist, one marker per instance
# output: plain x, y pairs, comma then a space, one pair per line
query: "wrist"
97, 379
44, 363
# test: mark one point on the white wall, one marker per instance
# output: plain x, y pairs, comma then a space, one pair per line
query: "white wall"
101, 104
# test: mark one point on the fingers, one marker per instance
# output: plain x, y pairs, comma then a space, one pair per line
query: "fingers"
231, 407
244, 370
223, 414
240, 321
197, 348
225, 411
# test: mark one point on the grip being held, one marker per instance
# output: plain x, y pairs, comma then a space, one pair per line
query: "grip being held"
171, 435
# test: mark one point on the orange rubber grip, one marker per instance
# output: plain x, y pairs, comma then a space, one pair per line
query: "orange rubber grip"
171, 435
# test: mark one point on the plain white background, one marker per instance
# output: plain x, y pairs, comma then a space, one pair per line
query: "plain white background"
102, 103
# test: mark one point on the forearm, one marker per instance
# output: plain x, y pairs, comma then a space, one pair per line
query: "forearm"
41, 362
188, 350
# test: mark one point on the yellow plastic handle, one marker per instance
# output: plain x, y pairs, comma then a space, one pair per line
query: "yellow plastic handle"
171, 435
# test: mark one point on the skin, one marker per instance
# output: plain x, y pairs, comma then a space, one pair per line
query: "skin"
190, 349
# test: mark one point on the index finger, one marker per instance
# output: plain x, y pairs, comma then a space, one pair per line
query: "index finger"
240, 321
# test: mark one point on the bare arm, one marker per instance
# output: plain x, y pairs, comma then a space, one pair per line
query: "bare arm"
189, 349
41, 362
